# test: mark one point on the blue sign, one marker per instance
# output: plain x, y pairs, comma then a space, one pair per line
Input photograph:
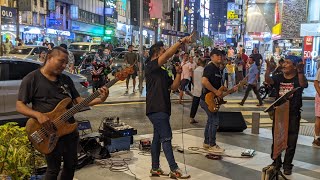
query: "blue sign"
174, 33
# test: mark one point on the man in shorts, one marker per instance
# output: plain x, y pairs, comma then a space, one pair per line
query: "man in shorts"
131, 59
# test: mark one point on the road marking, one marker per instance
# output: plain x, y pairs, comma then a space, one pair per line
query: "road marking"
268, 120
244, 106
249, 113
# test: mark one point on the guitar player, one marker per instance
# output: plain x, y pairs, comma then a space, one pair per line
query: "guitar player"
212, 81
45, 88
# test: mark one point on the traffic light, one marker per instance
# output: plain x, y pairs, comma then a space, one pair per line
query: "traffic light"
170, 14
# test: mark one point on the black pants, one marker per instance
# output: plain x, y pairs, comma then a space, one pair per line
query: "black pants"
194, 106
255, 90
66, 148
190, 83
293, 133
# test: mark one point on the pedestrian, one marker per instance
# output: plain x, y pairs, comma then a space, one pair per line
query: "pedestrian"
239, 66
175, 61
252, 79
230, 67
292, 77
131, 58
6, 46
159, 83
197, 75
230, 53
258, 59
193, 66
273, 64
50, 46
44, 88
185, 77
316, 141
42, 56
244, 58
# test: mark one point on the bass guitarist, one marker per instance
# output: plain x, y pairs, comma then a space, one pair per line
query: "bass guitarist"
212, 81
45, 88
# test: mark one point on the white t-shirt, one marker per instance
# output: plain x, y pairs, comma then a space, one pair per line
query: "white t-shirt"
198, 72
186, 70
193, 66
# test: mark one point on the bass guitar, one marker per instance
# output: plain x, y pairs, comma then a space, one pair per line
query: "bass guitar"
215, 102
45, 139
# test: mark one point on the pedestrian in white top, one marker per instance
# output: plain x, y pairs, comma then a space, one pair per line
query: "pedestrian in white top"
197, 90
185, 77
193, 66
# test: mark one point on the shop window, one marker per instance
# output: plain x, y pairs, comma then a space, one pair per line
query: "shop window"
67, 24
35, 2
42, 3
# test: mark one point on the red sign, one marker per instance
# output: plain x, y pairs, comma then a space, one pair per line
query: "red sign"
307, 47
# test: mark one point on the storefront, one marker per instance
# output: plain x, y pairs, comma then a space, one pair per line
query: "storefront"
311, 47
31, 34
58, 36
85, 32
123, 33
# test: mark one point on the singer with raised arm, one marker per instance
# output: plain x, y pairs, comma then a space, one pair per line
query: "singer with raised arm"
159, 83
291, 78
45, 88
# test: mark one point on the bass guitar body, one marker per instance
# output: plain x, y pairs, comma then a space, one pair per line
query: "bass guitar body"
212, 101
44, 140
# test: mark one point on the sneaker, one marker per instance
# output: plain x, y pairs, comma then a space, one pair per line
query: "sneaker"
206, 146
178, 174
316, 142
193, 121
287, 171
260, 104
157, 172
216, 149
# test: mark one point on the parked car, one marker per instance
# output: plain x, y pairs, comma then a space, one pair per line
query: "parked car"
12, 70
79, 48
27, 52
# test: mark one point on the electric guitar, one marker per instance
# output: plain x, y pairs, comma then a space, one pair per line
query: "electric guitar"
214, 102
44, 139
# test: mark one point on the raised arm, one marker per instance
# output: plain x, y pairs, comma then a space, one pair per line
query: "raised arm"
267, 77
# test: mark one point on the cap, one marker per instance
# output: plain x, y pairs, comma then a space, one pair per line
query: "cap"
294, 59
217, 52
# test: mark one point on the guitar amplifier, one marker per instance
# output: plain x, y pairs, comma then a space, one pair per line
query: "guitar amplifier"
231, 122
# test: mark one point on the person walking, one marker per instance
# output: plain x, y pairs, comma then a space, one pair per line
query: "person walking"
185, 77
252, 78
197, 75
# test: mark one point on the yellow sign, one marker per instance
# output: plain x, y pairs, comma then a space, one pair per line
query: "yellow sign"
277, 29
232, 15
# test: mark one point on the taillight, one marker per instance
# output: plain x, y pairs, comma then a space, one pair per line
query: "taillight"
85, 84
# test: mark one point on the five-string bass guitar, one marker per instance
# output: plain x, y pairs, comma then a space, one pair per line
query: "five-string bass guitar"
214, 102
44, 139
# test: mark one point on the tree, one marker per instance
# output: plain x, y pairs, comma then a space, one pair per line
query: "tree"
206, 41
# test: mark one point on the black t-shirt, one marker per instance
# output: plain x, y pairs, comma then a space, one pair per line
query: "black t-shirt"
283, 85
213, 73
158, 84
44, 94
256, 58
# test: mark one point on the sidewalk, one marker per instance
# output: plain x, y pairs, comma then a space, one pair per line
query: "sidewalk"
117, 94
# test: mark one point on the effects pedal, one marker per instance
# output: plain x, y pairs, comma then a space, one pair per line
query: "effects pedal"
248, 153
145, 144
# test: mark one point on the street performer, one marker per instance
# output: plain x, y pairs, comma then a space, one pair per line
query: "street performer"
45, 88
212, 81
159, 84
292, 77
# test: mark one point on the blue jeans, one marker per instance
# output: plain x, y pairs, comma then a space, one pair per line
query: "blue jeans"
211, 126
162, 134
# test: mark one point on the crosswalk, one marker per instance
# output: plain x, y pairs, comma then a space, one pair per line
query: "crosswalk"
307, 160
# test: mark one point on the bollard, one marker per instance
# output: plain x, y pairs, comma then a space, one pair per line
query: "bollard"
255, 123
